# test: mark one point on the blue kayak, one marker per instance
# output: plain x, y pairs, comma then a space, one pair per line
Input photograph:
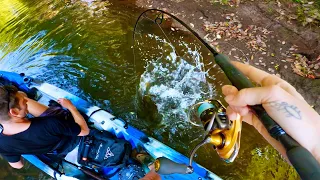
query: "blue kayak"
102, 120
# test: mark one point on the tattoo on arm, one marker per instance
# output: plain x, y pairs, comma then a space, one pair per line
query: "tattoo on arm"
289, 110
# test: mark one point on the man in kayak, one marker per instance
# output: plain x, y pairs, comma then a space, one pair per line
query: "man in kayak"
52, 129
281, 101
49, 130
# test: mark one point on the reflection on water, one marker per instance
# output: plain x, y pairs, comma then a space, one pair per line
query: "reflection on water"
29, 172
84, 46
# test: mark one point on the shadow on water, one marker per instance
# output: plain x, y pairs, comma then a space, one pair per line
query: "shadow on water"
85, 47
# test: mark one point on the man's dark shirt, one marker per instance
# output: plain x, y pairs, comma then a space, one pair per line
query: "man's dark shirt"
44, 135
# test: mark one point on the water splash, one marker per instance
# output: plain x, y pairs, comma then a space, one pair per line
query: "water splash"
174, 84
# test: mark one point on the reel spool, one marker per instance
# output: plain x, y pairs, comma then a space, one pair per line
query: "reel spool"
223, 133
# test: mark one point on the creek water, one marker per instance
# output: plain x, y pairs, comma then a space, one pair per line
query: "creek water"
85, 47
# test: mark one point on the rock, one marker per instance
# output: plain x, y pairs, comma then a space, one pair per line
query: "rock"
215, 43
309, 20
271, 70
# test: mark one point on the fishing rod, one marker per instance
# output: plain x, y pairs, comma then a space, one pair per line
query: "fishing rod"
86, 171
301, 159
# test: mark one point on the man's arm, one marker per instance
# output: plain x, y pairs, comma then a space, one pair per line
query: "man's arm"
78, 118
35, 108
17, 165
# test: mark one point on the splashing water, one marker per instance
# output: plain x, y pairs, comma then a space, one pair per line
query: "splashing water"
174, 84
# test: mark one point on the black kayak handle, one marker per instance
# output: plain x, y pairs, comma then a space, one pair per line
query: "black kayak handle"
301, 159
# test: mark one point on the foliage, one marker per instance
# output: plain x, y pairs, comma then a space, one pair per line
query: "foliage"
308, 12
227, 2
306, 68
270, 162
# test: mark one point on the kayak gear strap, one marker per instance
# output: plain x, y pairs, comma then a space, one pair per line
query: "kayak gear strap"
87, 143
95, 111
126, 124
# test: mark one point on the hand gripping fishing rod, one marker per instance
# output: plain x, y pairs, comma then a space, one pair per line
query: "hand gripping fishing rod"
301, 159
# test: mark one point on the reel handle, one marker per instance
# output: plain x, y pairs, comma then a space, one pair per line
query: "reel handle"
166, 166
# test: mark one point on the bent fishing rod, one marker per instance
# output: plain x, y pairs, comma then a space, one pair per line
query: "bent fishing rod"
301, 159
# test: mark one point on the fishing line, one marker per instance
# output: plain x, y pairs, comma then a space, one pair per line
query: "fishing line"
159, 20
211, 49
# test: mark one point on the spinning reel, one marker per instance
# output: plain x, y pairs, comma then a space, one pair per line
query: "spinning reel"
223, 133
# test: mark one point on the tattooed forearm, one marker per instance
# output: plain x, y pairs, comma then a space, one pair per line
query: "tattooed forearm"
289, 110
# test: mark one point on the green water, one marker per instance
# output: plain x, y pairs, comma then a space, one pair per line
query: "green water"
85, 47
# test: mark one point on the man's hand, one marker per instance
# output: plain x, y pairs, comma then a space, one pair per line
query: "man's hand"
151, 176
66, 103
17, 165
23, 94
78, 118
282, 102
